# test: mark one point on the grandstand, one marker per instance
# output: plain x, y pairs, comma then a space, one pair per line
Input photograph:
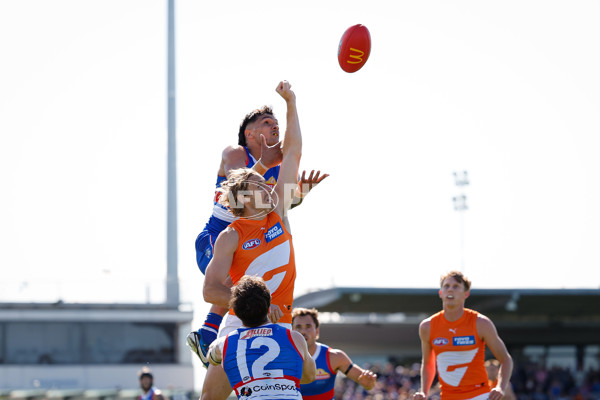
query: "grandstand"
91, 346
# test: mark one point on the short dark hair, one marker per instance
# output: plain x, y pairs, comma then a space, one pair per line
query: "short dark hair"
251, 300
301, 312
460, 278
248, 119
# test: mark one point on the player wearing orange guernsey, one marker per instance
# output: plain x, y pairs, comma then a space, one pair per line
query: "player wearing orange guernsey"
258, 243
455, 340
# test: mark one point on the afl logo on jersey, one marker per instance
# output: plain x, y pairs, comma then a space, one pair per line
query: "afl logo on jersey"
440, 341
250, 244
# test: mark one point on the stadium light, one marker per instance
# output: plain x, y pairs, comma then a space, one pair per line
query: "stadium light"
461, 181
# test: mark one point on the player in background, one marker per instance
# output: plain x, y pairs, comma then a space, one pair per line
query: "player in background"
258, 148
261, 360
454, 340
492, 366
328, 361
149, 392
258, 243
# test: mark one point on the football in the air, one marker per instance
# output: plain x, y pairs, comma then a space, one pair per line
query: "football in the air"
354, 49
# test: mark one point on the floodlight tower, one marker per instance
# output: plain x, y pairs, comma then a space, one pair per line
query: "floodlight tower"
461, 180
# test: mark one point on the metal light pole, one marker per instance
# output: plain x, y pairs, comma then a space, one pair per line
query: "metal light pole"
172, 276
461, 180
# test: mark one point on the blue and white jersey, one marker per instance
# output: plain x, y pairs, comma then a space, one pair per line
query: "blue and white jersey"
263, 363
220, 217
322, 388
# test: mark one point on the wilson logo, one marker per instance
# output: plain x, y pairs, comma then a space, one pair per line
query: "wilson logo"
440, 341
358, 56
250, 244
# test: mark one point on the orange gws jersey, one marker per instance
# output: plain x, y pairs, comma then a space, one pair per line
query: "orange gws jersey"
265, 249
460, 356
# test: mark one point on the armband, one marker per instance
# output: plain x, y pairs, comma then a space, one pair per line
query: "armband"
349, 368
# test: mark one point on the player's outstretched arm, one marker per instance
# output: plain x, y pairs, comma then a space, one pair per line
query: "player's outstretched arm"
341, 362
488, 333
292, 152
309, 368
215, 291
427, 362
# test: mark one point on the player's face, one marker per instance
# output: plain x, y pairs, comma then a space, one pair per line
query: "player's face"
306, 326
268, 126
261, 198
453, 291
146, 383
492, 371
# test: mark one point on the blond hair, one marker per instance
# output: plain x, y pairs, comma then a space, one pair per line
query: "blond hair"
237, 181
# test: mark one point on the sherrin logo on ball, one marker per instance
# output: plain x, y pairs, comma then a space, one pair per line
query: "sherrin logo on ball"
354, 48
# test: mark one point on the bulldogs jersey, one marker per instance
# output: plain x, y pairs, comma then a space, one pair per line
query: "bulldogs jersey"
150, 394
263, 363
322, 388
460, 355
265, 249
220, 217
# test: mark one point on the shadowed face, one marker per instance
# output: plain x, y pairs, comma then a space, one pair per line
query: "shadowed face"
260, 198
305, 325
145, 383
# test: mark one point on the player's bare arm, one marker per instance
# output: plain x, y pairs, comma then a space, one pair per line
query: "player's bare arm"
215, 289
233, 157
427, 362
292, 151
341, 362
488, 333
309, 368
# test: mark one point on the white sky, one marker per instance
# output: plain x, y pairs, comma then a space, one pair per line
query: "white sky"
509, 91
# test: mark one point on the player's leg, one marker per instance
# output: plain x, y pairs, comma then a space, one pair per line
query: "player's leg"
199, 340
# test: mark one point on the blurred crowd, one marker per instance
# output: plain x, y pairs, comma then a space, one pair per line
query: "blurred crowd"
529, 382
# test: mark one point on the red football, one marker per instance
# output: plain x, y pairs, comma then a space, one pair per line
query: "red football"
354, 49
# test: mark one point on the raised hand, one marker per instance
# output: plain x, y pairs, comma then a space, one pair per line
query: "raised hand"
285, 91
270, 156
305, 184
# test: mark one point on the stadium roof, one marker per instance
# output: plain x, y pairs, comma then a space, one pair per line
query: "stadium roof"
505, 303
522, 316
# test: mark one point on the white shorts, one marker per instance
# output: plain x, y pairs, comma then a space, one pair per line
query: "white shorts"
231, 323
481, 397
